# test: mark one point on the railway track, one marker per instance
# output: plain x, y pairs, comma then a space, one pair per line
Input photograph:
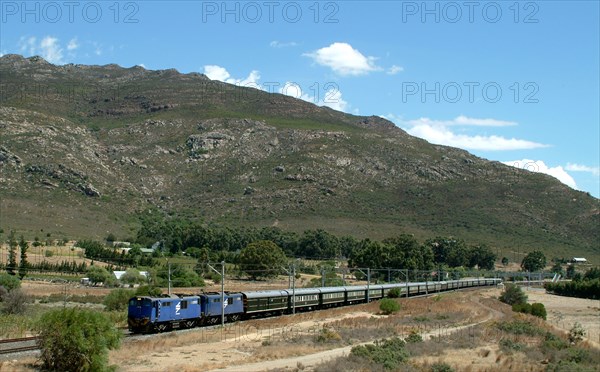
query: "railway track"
18, 345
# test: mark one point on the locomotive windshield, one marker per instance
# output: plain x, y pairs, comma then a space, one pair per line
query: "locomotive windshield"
140, 302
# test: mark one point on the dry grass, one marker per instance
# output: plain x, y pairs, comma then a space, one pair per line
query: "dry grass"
290, 336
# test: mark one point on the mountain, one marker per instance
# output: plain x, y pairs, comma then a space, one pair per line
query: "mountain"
84, 149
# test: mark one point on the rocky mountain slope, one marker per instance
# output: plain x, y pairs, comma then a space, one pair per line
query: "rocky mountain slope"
85, 148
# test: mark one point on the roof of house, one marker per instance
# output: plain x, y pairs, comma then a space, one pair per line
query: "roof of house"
119, 274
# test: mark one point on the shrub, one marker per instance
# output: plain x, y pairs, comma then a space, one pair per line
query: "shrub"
539, 310
441, 367
9, 282
388, 306
513, 294
576, 333
522, 308
15, 302
413, 338
509, 345
3, 292
147, 290
394, 293
76, 340
389, 353
48, 253
554, 342
117, 299
328, 335
520, 327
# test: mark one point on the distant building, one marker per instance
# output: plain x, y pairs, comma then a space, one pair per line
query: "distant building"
578, 260
119, 274
121, 244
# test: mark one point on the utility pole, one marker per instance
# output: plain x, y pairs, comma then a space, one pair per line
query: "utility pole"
223, 294
294, 288
169, 264
368, 284
292, 272
322, 277
406, 283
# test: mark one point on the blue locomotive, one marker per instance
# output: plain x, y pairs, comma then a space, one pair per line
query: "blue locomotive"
158, 314
149, 314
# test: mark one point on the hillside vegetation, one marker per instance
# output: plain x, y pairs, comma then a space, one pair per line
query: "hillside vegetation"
85, 149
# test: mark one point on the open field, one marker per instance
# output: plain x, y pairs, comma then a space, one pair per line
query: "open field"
58, 254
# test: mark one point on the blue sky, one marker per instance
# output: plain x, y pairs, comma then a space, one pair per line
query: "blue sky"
516, 82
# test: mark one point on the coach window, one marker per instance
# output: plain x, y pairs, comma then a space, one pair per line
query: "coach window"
166, 304
184, 304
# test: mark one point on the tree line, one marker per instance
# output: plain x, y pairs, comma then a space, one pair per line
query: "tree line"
179, 234
586, 286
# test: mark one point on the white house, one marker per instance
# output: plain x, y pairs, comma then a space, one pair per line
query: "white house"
119, 274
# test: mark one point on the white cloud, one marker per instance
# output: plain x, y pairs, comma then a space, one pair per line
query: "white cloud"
51, 50
72, 44
343, 59
539, 166
439, 132
332, 98
583, 168
219, 73
281, 44
394, 70
142, 65
48, 48
443, 136
462, 120
214, 72
27, 45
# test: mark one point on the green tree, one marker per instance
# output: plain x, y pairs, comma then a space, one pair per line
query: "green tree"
117, 299
262, 259
23, 264
534, 261
204, 257
97, 274
482, 257
146, 290
513, 294
132, 276
12, 254
557, 268
570, 271
505, 261
76, 340
373, 254
9, 282
181, 276
591, 274
406, 252
319, 244
450, 251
